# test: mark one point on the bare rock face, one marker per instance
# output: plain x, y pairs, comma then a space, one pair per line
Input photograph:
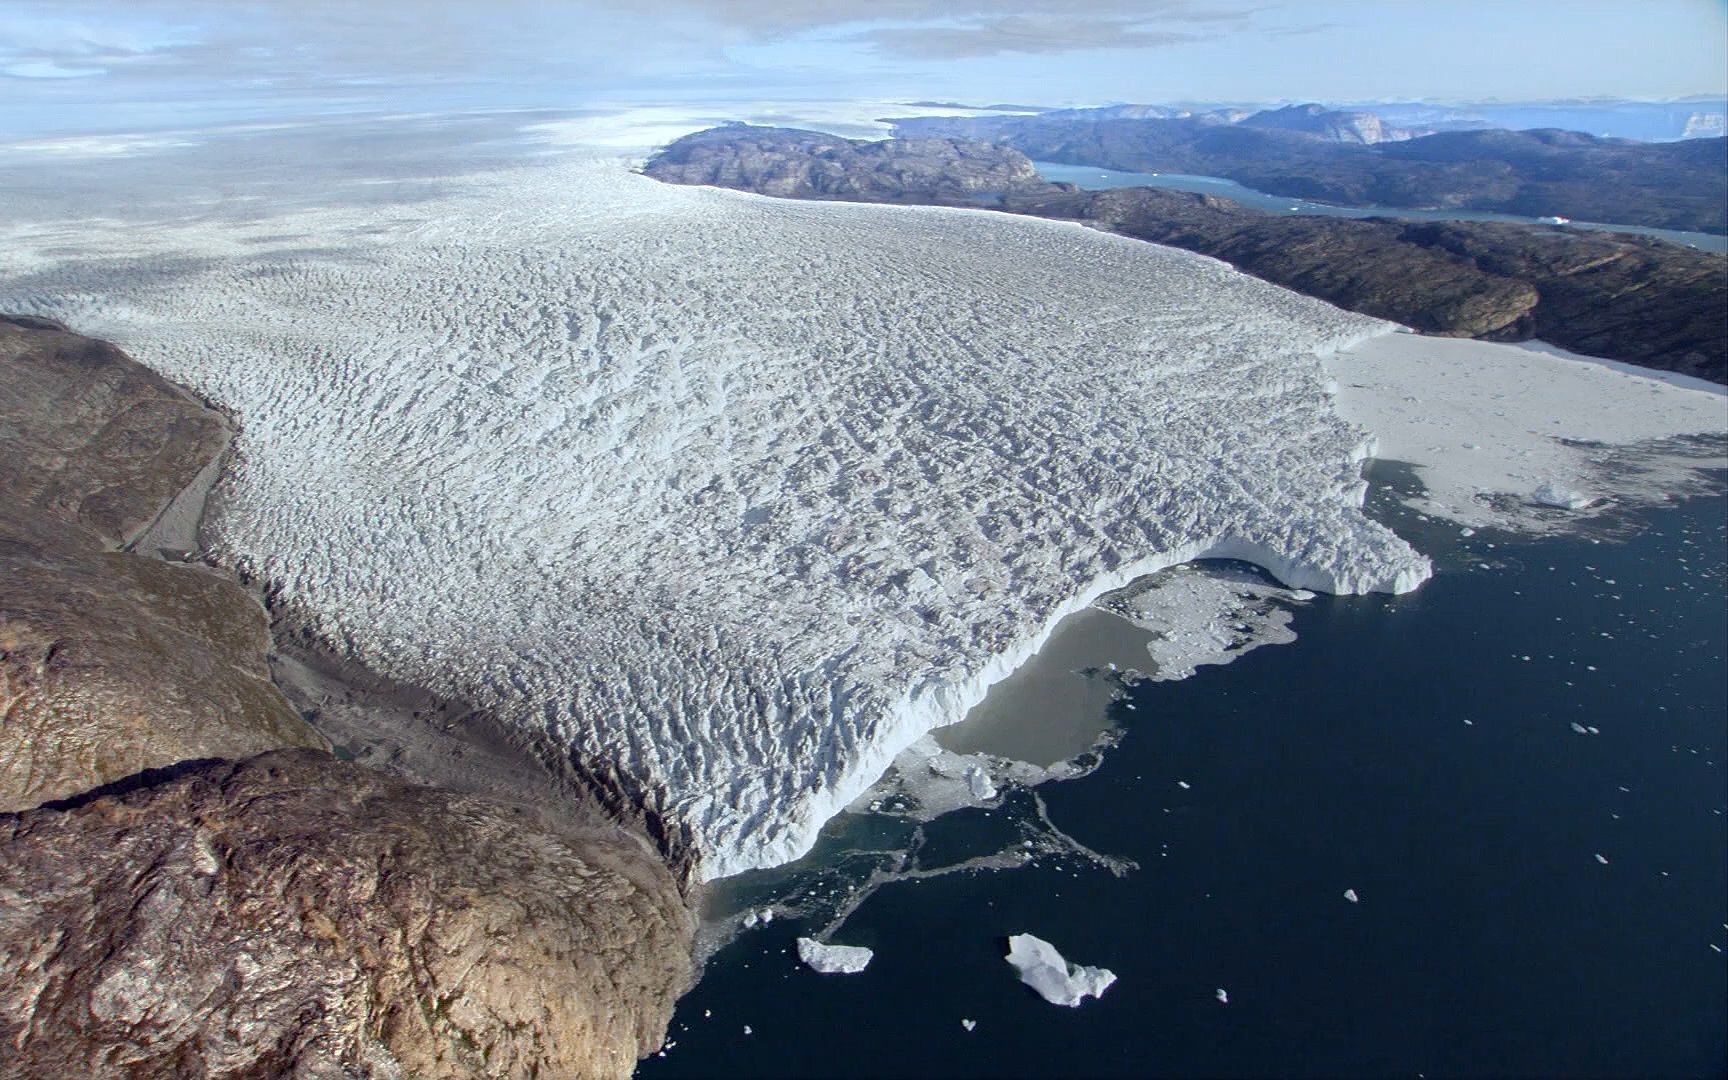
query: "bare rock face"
89, 434
111, 664
294, 916
810, 165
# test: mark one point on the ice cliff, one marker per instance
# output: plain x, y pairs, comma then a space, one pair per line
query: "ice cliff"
729, 498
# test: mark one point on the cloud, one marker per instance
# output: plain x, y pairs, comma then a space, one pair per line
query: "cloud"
47, 69
542, 48
1018, 34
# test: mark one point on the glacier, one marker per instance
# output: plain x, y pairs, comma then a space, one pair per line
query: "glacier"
728, 499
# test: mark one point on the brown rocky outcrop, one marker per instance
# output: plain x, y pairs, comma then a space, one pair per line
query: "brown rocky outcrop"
111, 664
810, 165
89, 434
293, 916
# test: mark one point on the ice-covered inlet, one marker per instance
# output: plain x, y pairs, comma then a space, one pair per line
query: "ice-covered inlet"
1057, 981
731, 498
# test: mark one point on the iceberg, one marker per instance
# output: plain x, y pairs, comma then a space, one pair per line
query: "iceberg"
1059, 982
1562, 498
833, 959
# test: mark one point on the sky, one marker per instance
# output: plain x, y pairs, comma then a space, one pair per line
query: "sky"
143, 61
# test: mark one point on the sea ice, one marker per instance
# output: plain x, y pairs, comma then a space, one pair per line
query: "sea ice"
1540, 422
1204, 614
1059, 982
719, 499
1350, 895
833, 959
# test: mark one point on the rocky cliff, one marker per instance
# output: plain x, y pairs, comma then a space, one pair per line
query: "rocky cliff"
811, 165
1619, 297
111, 664
168, 911
294, 916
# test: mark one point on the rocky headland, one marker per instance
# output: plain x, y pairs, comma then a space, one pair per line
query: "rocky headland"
194, 884
1625, 298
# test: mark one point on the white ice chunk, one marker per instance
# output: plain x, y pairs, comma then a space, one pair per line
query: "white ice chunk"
1564, 498
979, 783
1350, 895
970, 1024
1059, 982
833, 959
1222, 995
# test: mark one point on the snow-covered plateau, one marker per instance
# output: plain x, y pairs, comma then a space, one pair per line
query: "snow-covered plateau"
732, 498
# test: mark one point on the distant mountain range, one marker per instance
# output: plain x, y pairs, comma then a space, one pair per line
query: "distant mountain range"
1355, 158
1697, 117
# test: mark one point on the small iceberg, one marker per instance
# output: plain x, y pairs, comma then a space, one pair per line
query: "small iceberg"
1554, 219
979, 783
833, 959
1564, 498
1057, 981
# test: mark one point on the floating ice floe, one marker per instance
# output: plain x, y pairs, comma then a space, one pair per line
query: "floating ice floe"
833, 959
1222, 995
971, 1024
1350, 895
1059, 982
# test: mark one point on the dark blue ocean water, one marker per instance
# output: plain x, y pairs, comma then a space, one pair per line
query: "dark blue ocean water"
1418, 750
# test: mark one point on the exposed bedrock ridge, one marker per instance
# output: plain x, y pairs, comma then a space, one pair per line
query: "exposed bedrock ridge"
291, 915
111, 664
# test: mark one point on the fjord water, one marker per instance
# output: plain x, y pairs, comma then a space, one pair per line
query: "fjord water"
1432, 752
1093, 179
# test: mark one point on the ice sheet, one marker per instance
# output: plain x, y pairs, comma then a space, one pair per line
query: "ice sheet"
730, 498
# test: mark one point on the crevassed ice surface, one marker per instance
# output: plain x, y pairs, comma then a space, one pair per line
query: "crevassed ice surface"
736, 497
